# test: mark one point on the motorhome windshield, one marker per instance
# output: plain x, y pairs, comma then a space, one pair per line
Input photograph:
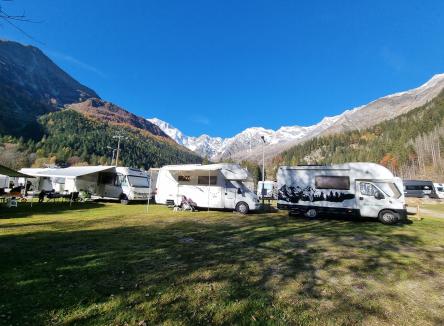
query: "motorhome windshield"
389, 188
139, 182
238, 185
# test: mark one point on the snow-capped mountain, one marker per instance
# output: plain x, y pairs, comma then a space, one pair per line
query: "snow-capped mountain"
216, 147
248, 143
204, 145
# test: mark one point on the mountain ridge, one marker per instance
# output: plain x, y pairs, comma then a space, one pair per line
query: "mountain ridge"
31, 85
247, 144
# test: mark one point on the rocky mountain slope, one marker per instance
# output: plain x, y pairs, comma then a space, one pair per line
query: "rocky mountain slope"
248, 143
104, 111
32, 85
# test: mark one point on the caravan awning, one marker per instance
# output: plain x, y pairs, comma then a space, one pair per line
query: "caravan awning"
11, 173
71, 172
229, 170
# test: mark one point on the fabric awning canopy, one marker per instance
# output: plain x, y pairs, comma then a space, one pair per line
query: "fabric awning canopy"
71, 172
11, 173
230, 171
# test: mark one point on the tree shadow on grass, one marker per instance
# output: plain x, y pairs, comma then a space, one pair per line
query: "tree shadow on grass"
49, 208
270, 269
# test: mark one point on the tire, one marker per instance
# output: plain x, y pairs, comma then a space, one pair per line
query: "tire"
388, 217
311, 213
242, 207
123, 199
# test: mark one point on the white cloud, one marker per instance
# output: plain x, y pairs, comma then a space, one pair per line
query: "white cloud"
75, 62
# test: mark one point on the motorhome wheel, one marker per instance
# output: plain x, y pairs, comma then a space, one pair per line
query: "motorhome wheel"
388, 217
123, 199
242, 207
311, 213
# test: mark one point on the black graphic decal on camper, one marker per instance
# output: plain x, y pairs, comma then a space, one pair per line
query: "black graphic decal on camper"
296, 194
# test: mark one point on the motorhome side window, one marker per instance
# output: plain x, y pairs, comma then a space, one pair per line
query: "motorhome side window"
418, 187
107, 178
368, 189
229, 184
118, 180
332, 182
203, 180
121, 180
184, 178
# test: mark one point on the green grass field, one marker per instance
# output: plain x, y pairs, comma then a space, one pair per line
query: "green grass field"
108, 264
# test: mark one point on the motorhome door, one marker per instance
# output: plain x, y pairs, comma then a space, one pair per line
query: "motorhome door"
371, 200
112, 185
230, 195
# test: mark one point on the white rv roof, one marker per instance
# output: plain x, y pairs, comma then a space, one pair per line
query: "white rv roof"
74, 171
364, 170
231, 171
11, 173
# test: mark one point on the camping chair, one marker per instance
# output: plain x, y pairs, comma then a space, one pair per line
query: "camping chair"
74, 196
188, 204
84, 195
52, 195
170, 203
11, 202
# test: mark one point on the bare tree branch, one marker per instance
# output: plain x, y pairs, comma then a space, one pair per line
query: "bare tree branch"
12, 19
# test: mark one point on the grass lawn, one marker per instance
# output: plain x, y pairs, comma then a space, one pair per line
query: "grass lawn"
108, 264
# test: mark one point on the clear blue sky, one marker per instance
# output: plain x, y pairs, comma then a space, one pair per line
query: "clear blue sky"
218, 67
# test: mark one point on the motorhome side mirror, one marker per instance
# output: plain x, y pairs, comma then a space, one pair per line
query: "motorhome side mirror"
239, 191
379, 195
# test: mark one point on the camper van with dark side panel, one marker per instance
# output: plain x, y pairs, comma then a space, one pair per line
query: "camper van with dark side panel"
419, 189
354, 189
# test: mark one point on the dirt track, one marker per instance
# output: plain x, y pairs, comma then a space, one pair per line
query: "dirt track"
412, 207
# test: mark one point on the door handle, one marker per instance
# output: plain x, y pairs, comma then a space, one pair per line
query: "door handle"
361, 198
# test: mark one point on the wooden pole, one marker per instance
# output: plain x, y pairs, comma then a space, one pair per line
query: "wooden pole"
149, 190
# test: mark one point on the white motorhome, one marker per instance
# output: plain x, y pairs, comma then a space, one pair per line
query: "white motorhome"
267, 189
216, 186
439, 189
357, 189
102, 182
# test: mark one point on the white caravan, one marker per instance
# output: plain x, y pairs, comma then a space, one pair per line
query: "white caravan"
439, 189
358, 189
4, 181
218, 186
266, 189
102, 182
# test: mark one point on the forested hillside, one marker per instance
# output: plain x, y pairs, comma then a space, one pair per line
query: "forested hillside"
71, 138
409, 145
